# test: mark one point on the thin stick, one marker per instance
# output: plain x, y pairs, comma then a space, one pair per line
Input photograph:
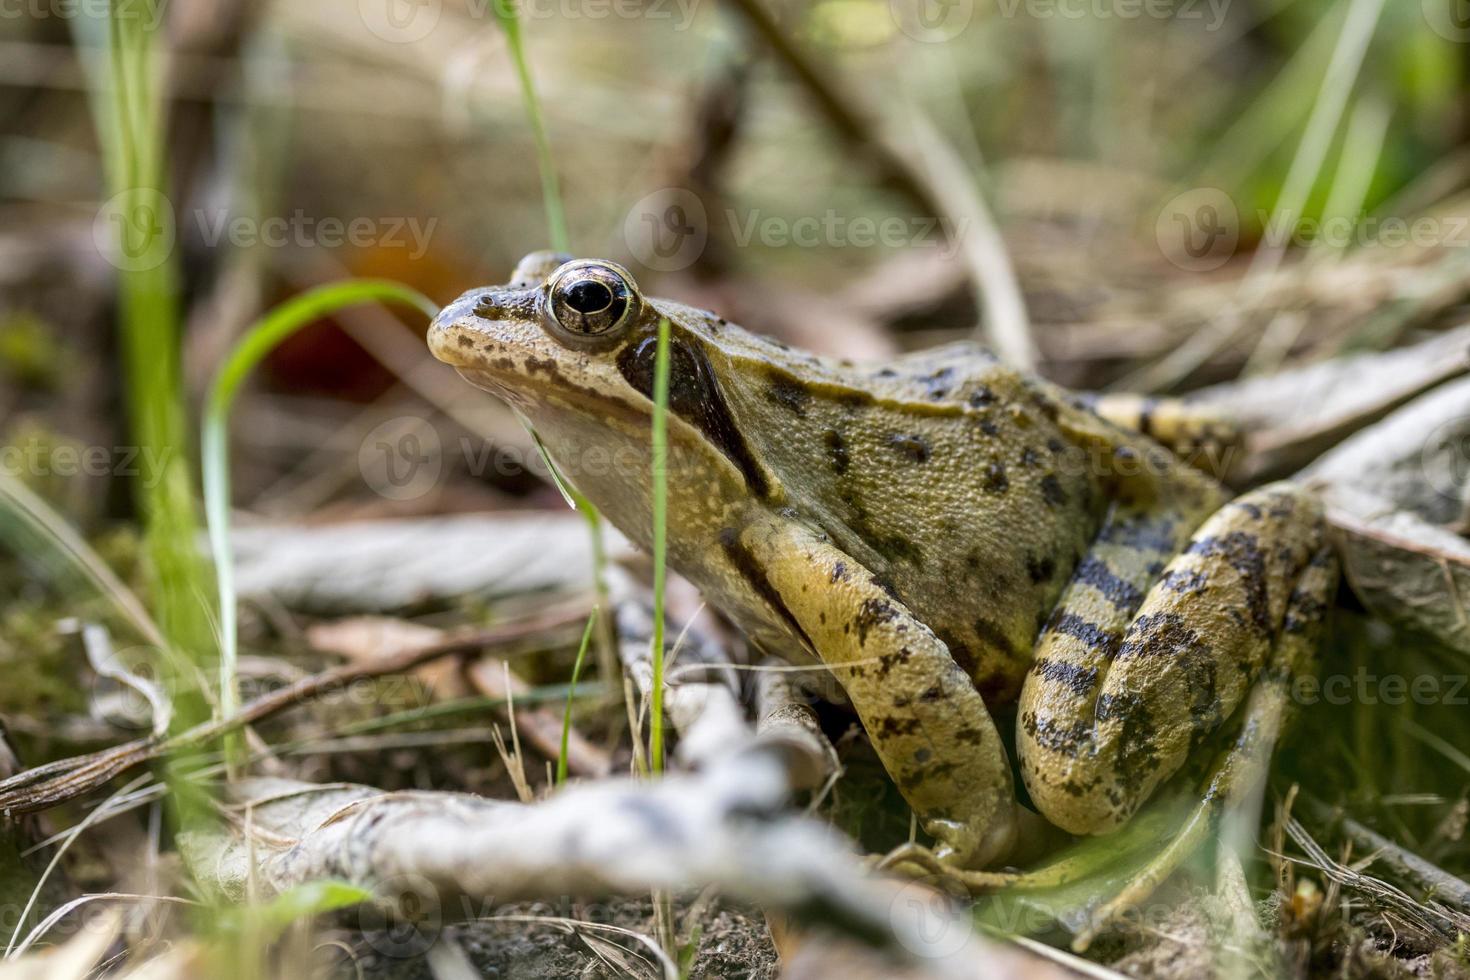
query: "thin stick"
59, 782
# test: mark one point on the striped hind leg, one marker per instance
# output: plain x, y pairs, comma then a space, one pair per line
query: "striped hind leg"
1241, 768
1108, 714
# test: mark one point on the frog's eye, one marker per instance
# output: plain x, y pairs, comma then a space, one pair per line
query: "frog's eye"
590, 303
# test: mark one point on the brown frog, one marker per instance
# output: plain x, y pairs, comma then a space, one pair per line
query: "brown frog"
945, 533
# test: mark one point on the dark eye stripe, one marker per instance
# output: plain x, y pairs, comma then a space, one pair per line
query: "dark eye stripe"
695, 397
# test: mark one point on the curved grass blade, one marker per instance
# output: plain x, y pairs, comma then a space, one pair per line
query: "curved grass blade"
257, 342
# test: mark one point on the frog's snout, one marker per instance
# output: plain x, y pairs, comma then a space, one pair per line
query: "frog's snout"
448, 337
480, 323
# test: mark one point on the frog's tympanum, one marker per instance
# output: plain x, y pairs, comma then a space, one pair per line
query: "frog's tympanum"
947, 534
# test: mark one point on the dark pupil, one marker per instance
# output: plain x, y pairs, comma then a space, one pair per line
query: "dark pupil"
589, 296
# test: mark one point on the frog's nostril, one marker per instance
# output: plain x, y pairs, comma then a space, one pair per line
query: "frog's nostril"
487, 307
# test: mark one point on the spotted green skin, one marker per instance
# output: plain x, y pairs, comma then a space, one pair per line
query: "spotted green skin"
945, 532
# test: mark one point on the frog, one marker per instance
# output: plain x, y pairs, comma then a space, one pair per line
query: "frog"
954, 539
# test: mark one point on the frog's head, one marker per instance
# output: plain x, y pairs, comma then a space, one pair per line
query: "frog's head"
571, 344
553, 330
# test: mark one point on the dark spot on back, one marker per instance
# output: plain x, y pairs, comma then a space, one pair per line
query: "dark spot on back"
992, 635
995, 480
1051, 490
837, 452
1040, 569
914, 448
789, 393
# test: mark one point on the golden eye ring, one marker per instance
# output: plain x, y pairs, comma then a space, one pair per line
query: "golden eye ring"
590, 304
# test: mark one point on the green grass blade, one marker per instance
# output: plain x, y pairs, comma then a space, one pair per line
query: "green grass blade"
566, 721
556, 220
660, 539
257, 342
131, 121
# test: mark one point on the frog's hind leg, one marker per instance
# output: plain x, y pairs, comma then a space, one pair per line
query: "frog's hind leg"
1203, 437
1108, 714
1241, 767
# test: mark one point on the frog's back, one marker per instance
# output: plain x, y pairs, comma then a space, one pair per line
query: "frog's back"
948, 475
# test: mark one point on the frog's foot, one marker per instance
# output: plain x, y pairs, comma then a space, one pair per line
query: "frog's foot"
918, 861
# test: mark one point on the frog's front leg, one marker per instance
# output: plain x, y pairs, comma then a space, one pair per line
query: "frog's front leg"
1107, 714
927, 722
